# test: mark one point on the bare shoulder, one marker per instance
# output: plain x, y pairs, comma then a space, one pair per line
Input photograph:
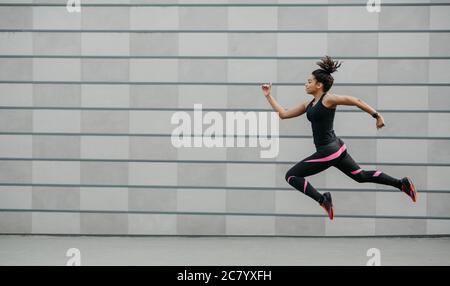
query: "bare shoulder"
330, 100
332, 96
336, 99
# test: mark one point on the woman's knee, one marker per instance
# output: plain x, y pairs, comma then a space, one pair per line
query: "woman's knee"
288, 176
361, 177
298, 171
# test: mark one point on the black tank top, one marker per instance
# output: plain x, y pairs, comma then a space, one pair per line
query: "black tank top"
321, 118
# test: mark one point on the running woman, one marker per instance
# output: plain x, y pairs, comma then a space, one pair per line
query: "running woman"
330, 149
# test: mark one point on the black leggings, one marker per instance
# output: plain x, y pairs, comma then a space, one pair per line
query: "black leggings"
333, 154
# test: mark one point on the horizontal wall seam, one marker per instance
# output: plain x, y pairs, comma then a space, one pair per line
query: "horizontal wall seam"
208, 161
226, 57
199, 135
220, 4
220, 213
218, 31
221, 188
216, 83
203, 109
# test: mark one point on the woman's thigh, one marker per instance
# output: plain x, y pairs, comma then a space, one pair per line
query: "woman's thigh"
305, 168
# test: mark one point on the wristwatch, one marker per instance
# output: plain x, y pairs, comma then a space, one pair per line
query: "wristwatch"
375, 115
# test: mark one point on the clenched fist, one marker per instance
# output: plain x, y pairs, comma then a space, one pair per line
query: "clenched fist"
267, 88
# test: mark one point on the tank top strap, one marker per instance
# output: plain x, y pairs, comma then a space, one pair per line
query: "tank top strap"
322, 96
309, 104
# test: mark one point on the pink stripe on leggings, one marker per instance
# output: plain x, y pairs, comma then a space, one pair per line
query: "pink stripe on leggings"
304, 186
330, 157
356, 172
376, 174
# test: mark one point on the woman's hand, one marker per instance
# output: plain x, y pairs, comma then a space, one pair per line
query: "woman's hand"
267, 89
380, 122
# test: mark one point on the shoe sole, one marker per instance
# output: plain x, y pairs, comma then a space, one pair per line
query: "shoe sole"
412, 190
331, 213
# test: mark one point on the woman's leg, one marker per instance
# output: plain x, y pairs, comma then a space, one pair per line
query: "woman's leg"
349, 167
296, 176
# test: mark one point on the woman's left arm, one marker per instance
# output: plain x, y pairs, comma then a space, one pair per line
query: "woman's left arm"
350, 100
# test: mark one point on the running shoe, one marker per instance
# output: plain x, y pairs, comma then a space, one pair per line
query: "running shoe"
327, 204
409, 188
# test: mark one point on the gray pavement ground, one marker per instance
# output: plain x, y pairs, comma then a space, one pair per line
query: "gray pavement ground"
166, 250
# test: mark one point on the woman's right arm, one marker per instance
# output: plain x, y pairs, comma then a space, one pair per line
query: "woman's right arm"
282, 113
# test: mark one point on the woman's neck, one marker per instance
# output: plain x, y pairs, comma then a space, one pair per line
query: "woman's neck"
318, 95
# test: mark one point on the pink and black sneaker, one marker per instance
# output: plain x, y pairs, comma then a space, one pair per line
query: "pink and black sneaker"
327, 204
409, 188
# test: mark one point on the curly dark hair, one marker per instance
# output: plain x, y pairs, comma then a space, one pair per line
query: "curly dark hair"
327, 67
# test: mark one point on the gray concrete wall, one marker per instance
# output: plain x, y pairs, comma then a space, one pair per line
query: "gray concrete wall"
77, 157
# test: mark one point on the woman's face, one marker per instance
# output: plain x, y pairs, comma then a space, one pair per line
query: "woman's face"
312, 85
